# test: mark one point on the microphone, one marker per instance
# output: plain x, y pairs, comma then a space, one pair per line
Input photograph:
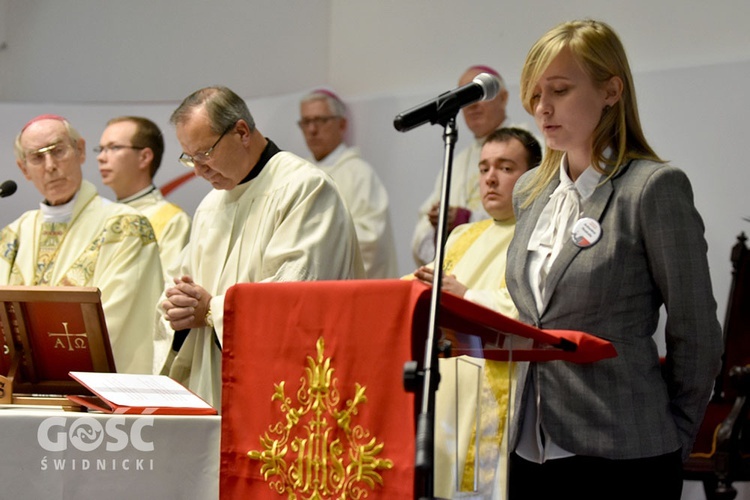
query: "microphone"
482, 88
7, 188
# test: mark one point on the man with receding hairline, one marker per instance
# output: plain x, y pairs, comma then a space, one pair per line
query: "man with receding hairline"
271, 216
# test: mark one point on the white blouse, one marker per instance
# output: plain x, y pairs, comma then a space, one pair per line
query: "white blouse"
553, 229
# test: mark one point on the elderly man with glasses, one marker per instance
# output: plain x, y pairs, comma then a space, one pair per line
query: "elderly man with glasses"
324, 123
129, 155
271, 216
76, 238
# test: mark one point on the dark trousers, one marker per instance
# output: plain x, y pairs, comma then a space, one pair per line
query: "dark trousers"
592, 478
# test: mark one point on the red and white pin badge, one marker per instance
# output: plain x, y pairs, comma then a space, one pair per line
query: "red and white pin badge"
586, 231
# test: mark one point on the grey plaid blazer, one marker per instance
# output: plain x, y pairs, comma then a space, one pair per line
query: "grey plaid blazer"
652, 252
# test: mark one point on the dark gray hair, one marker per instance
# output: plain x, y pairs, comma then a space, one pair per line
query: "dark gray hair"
224, 108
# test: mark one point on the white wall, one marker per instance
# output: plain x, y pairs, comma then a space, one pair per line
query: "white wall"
3, 21
389, 45
160, 50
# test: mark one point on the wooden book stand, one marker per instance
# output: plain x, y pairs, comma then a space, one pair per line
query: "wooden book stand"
48, 332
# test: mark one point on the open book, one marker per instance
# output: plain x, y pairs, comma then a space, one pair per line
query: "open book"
141, 394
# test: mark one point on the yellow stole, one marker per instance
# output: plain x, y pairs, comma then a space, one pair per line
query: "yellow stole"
495, 392
160, 219
456, 252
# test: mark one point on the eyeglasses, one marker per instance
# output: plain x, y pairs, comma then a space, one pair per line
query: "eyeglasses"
202, 158
58, 152
114, 148
317, 121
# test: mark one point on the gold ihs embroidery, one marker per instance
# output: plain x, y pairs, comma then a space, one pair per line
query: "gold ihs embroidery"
320, 465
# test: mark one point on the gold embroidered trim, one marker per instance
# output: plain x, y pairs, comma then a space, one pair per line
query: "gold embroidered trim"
318, 465
119, 228
462, 244
115, 231
51, 238
8, 252
8, 245
493, 407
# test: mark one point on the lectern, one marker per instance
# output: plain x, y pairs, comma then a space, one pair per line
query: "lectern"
48, 332
313, 402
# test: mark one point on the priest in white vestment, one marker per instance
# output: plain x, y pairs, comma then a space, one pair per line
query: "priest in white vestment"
271, 216
129, 155
324, 124
78, 238
474, 268
465, 203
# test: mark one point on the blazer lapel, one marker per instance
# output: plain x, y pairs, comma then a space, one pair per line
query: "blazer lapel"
593, 208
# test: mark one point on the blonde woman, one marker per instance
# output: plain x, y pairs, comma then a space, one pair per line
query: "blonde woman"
606, 234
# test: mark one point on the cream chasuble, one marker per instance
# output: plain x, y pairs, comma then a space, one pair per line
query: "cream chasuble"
171, 225
367, 200
475, 253
287, 224
106, 245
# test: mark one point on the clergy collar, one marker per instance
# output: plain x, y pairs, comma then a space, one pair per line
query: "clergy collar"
332, 157
140, 194
268, 152
58, 213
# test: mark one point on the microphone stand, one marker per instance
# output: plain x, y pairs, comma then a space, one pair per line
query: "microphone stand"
430, 375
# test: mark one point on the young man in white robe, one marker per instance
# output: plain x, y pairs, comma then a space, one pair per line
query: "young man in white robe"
465, 204
324, 124
78, 238
129, 155
271, 216
474, 268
